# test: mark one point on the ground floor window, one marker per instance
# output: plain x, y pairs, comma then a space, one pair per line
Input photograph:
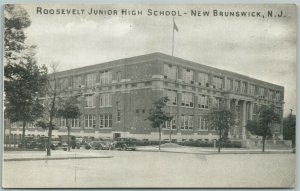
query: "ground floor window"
202, 123
90, 121
106, 120
75, 122
187, 122
171, 124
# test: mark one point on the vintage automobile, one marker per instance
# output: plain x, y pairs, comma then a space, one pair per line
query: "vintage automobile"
125, 144
58, 145
98, 145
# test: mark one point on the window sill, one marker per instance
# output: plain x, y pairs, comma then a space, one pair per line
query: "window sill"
105, 106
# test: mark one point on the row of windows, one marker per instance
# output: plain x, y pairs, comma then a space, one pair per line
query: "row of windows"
105, 100
187, 123
90, 80
171, 72
105, 121
188, 99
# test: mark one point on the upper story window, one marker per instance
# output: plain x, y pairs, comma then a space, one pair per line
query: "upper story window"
170, 71
90, 80
105, 77
278, 96
203, 79
118, 76
216, 102
244, 87
187, 99
105, 100
188, 76
261, 92
172, 95
237, 85
218, 82
63, 83
90, 101
229, 84
203, 101
76, 82
252, 89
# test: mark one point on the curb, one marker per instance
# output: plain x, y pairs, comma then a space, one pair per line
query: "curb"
55, 158
226, 152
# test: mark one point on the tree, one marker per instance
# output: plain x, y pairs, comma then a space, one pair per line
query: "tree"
69, 109
222, 120
158, 116
289, 128
262, 124
24, 79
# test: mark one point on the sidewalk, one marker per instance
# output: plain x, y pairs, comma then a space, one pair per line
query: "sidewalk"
210, 150
55, 155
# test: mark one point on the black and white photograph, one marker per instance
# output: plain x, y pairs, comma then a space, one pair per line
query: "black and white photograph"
149, 95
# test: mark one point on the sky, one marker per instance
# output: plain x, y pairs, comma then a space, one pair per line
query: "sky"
260, 47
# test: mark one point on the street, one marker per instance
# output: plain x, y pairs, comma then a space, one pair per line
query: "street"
154, 169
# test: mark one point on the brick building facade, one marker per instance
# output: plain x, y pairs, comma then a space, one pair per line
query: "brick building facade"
116, 97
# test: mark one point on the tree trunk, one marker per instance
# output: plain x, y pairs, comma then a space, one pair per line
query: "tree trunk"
23, 134
49, 139
69, 129
263, 143
219, 142
9, 136
159, 134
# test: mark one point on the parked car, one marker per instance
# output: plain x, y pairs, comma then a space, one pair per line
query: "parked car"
125, 144
98, 145
56, 145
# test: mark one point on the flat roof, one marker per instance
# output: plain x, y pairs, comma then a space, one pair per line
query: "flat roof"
167, 58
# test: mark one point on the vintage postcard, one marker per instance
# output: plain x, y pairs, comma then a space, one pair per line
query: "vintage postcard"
149, 95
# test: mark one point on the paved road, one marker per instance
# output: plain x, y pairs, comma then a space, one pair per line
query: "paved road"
155, 169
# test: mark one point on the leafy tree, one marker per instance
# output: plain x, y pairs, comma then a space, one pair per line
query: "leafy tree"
289, 128
158, 116
222, 120
262, 125
69, 109
24, 79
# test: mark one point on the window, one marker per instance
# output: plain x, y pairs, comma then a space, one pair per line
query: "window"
75, 122
187, 100
244, 87
237, 85
202, 123
105, 77
203, 79
203, 101
188, 76
118, 74
90, 121
90, 80
170, 71
261, 92
90, 101
215, 102
105, 100
118, 115
187, 122
229, 84
61, 122
252, 89
217, 82
172, 95
171, 124
106, 120
76, 82
63, 83
278, 96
